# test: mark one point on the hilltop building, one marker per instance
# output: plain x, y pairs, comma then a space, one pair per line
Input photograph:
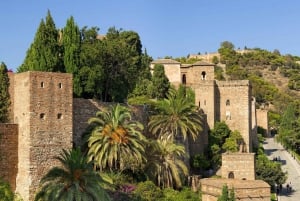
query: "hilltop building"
228, 101
231, 102
45, 118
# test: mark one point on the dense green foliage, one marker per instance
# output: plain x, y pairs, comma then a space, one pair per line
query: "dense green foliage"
4, 94
267, 170
221, 139
75, 180
176, 115
160, 82
116, 139
107, 68
6, 193
165, 166
289, 128
252, 64
246, 64
71, 43
44, 52
227, 195
147, 191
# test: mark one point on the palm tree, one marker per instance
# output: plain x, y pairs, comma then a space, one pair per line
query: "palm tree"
176, 115
74, 181
115, 137
164, 165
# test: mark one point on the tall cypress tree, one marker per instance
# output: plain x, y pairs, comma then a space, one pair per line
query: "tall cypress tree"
44, 53
71, 44
160, 82
4, 94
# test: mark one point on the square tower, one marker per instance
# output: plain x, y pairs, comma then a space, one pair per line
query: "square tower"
43, 110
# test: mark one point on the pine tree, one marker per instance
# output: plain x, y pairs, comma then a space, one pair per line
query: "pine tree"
44, 53
4, 94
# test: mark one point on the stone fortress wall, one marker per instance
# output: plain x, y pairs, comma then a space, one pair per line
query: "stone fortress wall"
42, 108
228, 101
46, 119
9, 153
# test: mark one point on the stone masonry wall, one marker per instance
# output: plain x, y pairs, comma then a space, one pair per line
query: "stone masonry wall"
84, 109
9, 153
11, 93
244, 190
205, 99
233, 100
43, 109
242, 165
262, 120
21, 117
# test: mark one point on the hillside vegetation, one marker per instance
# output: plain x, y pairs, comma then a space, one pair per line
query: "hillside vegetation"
275, 80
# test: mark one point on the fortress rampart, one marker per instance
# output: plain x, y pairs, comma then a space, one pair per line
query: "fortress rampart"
9, 153
46, 119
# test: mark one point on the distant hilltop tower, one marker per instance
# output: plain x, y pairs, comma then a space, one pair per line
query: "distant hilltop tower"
228, 101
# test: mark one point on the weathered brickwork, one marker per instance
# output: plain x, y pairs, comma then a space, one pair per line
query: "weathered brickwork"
84, 109
262, 120
233, 102
244, 190
47, 119
228, 101
42, 108
11, 92
9, 153
238, 166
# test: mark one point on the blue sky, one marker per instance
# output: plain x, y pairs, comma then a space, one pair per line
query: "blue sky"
166, 27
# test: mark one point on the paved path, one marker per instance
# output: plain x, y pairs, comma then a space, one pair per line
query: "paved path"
290, 165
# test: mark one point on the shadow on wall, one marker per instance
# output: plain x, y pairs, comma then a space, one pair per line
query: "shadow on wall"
84, 109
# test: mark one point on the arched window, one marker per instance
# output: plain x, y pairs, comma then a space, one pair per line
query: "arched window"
203, 75
231, 175
60, 85
227, 102
42, 84
184, 79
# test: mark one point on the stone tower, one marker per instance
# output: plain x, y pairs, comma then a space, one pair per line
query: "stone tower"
228, 101
42, 107
200, 77
233, 99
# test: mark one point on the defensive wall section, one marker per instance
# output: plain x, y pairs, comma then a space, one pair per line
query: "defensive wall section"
244, 190
233, 100
262, 121
228, 101
84, 109
45, 118
9, 153
238, 166
42, 107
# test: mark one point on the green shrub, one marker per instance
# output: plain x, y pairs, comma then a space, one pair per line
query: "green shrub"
147, 191
6, 193
186, 194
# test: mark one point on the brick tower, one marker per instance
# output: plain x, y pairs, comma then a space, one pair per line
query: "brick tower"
42, 107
